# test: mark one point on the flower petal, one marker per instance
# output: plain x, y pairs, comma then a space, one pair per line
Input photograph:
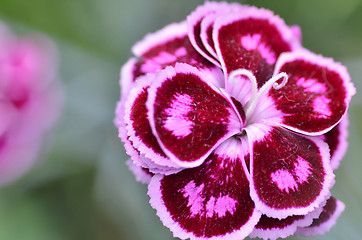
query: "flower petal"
10, 112
144, 168
142, 174
128, 76
155, 168
188, 115
273, 228
17, 155
236, 105
207, 28
331, 211
138, 127
337, 141
201, 36
151, 45
252, 40
211, 201
266, 111
166, 47
122, 134
317, 94
194, 25
290, 174
297, 33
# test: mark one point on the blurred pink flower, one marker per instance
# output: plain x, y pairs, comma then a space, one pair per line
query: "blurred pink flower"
30, 100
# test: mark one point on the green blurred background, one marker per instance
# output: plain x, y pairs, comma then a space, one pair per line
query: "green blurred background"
83, 190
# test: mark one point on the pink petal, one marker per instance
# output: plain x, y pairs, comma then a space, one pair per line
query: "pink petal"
30, 101
188, 115
266, 111
331, 211
297, 33
207, 28
9, 112
27, 64
291, 174
207, 25
139, 160
208, 202
317, 94
40, 112
252, 40
140, 163
128, 76
122, 134
194, 21
17, 157
337, 141
27, 81
155, 168
150, 45
142, 174
166, 47
138, 127
236, 105
273, 228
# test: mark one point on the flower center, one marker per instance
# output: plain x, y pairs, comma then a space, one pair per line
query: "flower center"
256, 93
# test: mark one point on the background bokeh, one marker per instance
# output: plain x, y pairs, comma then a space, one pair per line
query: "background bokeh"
82, 188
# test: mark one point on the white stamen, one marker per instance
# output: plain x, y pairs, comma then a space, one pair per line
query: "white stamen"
255, 94
277, 77
250, 106
247, 73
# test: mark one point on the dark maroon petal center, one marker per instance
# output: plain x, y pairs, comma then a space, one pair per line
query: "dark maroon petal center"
210, 200
291, 172
189, 115
140, 122
168, 54
194, 107
250, 43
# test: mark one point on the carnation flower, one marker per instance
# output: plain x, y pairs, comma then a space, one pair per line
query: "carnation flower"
30, 100
235, 126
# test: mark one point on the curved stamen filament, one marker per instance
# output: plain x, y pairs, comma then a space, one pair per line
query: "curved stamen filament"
255, 94
247, 73
250, 106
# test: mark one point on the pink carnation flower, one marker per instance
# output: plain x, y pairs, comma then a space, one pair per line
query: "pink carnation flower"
235, 126
30, 101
